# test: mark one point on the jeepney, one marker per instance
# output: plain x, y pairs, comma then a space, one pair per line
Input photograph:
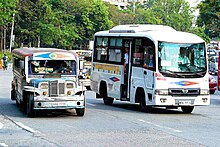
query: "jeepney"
46, 79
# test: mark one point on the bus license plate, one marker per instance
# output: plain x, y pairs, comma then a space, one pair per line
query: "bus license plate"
184, 102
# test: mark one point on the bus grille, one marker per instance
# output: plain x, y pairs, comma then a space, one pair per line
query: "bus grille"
184, 91
57, 88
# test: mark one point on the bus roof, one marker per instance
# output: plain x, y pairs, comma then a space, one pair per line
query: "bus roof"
159, 35
134, 28
46, 53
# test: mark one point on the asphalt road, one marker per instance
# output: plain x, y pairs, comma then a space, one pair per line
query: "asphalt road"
119, 125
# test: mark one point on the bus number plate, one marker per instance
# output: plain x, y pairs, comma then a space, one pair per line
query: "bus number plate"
184, 102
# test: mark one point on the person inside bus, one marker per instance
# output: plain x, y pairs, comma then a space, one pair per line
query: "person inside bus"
183, 59
148, 58
126, 55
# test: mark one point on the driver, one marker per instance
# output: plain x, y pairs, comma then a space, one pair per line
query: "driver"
183, 59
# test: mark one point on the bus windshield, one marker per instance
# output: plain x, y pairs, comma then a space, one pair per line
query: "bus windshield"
181, 58
52, 66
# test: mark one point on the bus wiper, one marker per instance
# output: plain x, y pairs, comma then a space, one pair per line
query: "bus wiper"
174, 73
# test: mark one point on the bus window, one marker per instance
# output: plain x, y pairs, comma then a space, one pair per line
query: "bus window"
101, 46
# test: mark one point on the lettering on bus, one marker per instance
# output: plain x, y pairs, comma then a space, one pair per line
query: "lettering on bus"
110, 68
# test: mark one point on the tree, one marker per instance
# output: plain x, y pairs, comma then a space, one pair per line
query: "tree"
174, 13
7, 9
90, 16
209, 17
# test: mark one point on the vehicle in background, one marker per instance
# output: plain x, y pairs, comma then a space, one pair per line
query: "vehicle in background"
46, 79
213, 65
211, 53
212, 84
85, 59
214, 45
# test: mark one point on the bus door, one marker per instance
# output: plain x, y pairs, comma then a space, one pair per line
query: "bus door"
148, 70
127, 45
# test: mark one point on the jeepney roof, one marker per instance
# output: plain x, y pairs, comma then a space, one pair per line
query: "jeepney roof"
25, 51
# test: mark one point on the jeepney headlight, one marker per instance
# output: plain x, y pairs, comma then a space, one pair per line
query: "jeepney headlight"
161, 92
44, 86
69, 85
204, 91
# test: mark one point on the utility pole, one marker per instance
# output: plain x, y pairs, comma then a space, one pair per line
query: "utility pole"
12, 30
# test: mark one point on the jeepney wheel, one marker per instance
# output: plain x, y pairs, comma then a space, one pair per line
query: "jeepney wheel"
80, 111
13, 95
30, 105
187, 109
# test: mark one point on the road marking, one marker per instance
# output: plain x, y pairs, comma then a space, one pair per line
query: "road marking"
28, 129
90, 104
159, 126
3, 145
1, 125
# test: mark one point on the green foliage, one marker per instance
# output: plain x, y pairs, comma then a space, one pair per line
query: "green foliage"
7, 8
200, 31
209, 17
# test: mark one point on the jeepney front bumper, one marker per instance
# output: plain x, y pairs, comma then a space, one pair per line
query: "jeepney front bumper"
66, 102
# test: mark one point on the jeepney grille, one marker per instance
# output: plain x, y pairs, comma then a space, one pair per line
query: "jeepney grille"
184, 92
57, 88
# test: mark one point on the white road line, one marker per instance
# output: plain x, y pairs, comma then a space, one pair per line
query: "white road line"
90, 104
1, 125
3, 145
27, 128
159, 126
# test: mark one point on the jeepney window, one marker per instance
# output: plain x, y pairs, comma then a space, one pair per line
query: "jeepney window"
52, 66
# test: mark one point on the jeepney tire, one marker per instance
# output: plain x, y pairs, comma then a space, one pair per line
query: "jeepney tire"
80, 111
13, 95
187, 109
23, 103
103, 93
30, 105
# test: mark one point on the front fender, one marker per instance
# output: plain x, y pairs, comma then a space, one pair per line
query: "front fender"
31, 89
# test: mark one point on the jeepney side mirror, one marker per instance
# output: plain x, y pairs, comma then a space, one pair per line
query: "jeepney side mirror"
21, 64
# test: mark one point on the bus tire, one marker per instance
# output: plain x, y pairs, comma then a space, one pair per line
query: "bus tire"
30, 105
80, 111
142, 102
103, 92
187, 109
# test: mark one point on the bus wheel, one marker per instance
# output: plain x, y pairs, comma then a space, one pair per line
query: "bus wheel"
107, 100
187, 109
142, 105
80, 111
30, 105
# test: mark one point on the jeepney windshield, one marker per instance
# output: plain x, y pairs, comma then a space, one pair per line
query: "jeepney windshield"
176, 59
52, 66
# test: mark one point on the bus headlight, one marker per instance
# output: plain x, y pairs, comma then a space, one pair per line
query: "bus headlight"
161, 92
204, 91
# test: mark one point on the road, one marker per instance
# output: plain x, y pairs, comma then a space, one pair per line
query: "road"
119, 125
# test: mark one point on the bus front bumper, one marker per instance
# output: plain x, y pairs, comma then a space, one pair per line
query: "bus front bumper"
167, 100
